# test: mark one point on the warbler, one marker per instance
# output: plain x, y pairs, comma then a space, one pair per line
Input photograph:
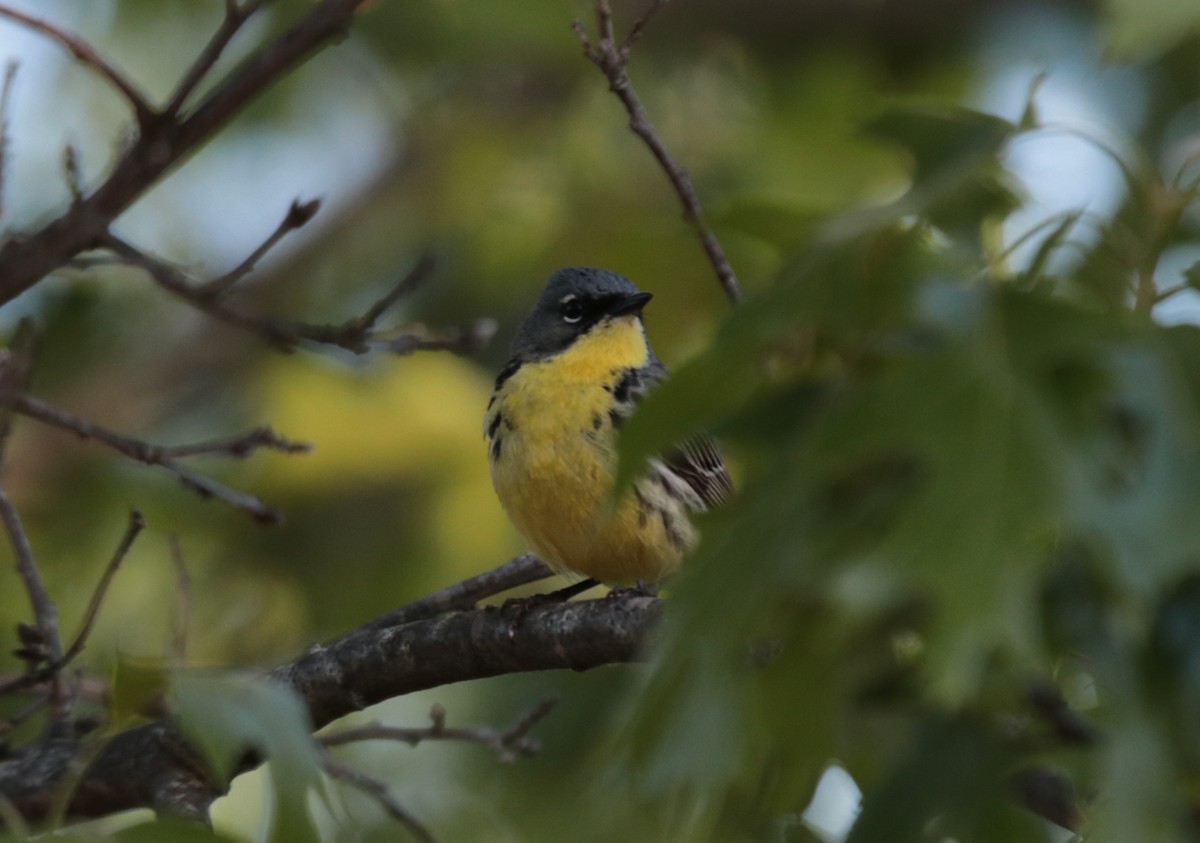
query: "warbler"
579, 364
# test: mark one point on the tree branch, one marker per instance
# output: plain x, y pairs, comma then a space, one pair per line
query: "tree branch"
136, 524
381, 793
611, 57
86, 55
516, 572
151, 766
356, 335
507, 744
166, 457
163, 143
297, 216
235, 17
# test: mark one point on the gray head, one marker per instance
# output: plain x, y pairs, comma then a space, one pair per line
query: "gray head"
575, 301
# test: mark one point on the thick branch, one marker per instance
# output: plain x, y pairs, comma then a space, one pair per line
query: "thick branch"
151, 766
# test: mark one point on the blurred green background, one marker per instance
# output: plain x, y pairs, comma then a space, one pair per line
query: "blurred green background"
477, 130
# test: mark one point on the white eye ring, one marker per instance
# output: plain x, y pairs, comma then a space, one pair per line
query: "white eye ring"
577, 310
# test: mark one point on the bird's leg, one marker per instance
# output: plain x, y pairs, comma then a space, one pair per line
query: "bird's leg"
524, 605
640, 589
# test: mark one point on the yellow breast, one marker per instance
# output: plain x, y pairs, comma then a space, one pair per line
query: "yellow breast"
553, 461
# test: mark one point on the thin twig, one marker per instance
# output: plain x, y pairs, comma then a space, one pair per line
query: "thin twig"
183, 612
137, 523
473, 337
516, 572
356, 335
53, 665
379, 791
72, 174
45, 612
238, 446
10, 76
14, 720
297, 216
163, 143
87, 55
611, 57
16, 364
163, 457
507, 745
635, 31
235, 17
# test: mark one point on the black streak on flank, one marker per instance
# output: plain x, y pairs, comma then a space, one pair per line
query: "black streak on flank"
644, 508
628, 381
510, 369
598, 421
673, 535
496, 447
494, 426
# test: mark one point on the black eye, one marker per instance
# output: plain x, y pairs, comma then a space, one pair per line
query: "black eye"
572, 311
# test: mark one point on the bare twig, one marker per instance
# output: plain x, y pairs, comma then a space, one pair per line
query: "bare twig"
162, 143
518, 571
611, 57
136, 524
183, 612
237, 446
53, 664
356, 335
14, 720
297, 216
10, 76
163, 457
16, 363
421, 270
420, 338
379, 791
45, 612
507, 745
87, 55
635, 31
235, 17
72, 174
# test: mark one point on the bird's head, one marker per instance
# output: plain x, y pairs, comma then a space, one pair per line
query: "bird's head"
575, 302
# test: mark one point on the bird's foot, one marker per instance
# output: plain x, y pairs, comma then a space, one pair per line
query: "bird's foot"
640, 589
522, 606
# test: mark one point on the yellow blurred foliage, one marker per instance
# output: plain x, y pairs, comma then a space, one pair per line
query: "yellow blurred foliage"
415, 420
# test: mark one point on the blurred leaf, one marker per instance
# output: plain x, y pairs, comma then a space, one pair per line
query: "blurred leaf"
957, 178
955, 779
228, 716
169, 831
1137, 28
137, 685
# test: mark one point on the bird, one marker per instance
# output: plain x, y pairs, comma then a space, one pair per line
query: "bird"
579, 364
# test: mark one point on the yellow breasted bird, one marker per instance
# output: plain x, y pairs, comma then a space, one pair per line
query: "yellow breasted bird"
580, 362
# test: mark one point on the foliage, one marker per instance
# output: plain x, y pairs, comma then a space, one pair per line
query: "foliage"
968, 473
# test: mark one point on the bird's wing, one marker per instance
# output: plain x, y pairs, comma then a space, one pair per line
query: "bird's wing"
698, 463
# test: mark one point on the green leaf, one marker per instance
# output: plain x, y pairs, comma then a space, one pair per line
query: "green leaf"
169, 831
136, 685
1140, 28
954, 782
958, 181
229, 715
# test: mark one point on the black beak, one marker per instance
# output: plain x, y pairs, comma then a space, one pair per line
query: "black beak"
624, 305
